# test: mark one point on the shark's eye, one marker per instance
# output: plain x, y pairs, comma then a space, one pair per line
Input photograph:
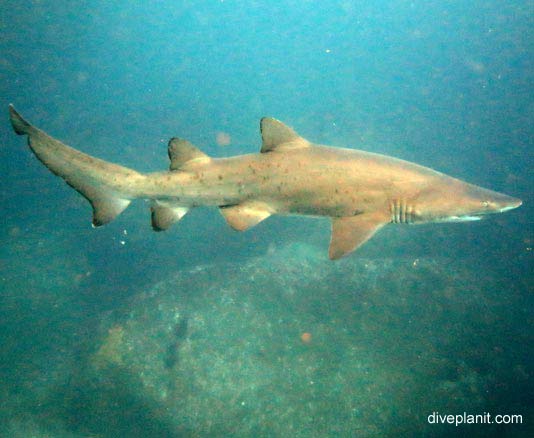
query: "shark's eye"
485, 204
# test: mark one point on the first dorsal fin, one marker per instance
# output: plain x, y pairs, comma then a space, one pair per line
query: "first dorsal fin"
276, 136
182, 152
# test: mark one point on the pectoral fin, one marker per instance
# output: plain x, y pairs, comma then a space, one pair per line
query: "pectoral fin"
243, 216
348, 233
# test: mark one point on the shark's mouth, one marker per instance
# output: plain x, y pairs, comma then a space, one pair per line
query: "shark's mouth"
466, 218
508, 208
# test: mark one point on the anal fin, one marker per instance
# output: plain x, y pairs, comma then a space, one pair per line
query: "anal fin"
348, 233
245, 215
163, 216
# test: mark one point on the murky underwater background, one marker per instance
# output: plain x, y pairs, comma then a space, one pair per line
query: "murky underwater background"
202, 331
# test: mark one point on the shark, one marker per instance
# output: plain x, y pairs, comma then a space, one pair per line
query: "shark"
359, 191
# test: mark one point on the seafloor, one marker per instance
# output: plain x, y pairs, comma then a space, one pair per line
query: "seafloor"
217, 350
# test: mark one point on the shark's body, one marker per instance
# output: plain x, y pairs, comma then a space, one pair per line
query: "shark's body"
360, 191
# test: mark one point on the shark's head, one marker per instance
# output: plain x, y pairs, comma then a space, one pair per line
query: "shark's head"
457, 201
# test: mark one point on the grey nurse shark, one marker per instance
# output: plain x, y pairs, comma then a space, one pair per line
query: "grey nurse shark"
360, 191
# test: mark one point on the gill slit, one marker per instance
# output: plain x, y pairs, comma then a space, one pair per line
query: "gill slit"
401, 212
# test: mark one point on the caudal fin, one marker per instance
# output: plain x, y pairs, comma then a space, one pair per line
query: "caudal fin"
108, 187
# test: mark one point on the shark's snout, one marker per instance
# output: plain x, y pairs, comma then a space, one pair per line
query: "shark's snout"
510, 204
495, 202
480, 202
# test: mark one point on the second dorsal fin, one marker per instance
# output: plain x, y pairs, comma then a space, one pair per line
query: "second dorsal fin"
182, 152
276, 136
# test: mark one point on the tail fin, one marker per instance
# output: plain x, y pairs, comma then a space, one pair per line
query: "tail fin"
108, 187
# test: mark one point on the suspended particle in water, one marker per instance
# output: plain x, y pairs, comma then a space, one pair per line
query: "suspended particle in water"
223, 138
